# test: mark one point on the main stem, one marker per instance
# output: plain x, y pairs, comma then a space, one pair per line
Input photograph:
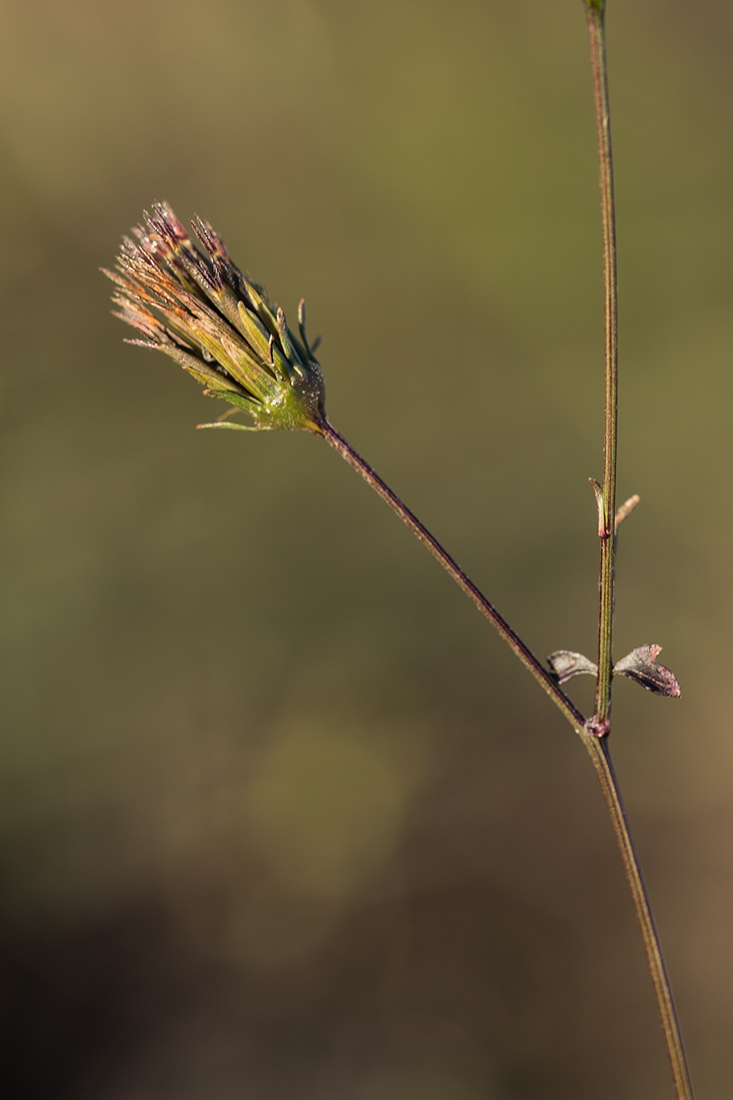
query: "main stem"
601, 723
607, 510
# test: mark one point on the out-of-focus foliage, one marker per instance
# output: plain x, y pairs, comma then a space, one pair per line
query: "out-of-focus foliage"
280, 817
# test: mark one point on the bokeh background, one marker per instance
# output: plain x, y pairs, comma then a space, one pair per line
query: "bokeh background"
281, 817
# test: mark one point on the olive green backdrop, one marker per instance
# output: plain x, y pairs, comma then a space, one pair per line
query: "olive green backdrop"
281, 817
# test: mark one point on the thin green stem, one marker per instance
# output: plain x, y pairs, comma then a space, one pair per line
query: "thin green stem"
600, 755
526, 656
601, 723
602, 715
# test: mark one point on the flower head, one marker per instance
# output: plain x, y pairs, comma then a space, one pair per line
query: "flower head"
221, 327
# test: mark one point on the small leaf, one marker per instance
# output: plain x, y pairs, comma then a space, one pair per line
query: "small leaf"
626, 509
641, 665
601, 507
566, 664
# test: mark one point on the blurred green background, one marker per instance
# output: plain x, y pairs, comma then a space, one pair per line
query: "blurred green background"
281, 817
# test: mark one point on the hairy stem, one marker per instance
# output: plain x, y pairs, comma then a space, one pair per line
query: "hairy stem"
602, 715
545, 679
600, 755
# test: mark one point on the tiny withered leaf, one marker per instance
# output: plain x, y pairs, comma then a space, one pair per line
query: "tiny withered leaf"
641, 665
565, 664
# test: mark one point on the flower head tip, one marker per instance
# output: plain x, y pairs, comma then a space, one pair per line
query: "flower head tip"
221, 327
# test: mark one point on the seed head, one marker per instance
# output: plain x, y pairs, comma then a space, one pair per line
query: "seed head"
221, 327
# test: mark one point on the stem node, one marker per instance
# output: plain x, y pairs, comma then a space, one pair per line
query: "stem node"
597, 729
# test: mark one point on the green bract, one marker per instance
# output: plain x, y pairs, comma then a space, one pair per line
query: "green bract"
218, 325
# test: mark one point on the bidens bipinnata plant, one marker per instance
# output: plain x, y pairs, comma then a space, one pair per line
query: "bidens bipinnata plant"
222, 328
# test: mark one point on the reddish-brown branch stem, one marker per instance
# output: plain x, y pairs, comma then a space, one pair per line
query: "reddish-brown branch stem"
528, 659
